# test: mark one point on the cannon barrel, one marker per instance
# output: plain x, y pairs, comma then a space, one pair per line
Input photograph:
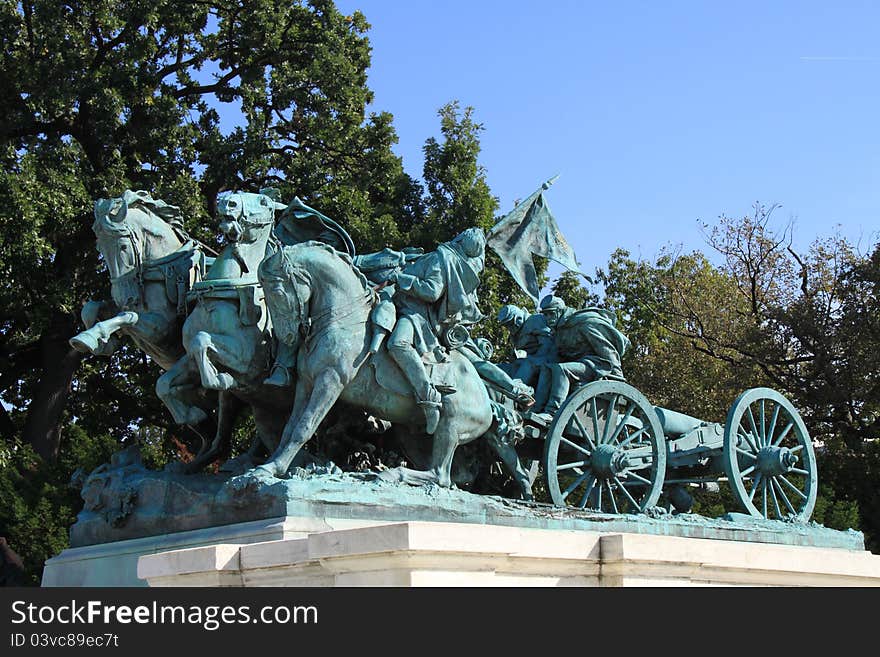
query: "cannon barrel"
675, 423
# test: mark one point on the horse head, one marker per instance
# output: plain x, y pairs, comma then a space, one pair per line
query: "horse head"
245, 217
311, 283
246, 222
132, 231
288, 289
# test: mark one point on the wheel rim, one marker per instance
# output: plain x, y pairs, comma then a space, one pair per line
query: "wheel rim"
605, 450
769, 458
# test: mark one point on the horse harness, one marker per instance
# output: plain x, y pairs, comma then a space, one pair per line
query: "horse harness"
178, 270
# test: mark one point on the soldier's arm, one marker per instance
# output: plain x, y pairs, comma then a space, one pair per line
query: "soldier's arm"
428, 288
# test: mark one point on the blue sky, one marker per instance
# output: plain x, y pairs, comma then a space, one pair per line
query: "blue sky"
656, 115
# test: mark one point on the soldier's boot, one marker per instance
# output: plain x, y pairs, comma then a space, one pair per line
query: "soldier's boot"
280, 375
427, 396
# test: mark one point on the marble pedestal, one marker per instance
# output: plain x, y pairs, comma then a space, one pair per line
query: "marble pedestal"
115, 563
458, 554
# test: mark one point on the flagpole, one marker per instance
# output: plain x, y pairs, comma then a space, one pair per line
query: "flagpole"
528, 199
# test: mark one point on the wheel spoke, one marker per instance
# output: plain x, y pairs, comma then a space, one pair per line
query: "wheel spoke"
577, 482
784, 497
773, 422
754, 428
746, 453
635, 505
632, 437
579, 448
632, 474
609, 414
745, 472
773, 485
796, 449
764, 493
583, 430
583, 502
629, 409
594, 412
744, 433
573, 464
793, 487
755, 483
599, 497
611, 495
784, 433
763, 423
799, 471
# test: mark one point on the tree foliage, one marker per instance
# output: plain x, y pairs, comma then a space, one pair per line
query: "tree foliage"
570, 289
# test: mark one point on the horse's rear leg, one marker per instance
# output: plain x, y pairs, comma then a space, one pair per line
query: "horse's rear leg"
201, 346
228, 409
510, 460
310, 408
168, 388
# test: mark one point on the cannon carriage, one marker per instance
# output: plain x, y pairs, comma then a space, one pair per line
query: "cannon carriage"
608, 449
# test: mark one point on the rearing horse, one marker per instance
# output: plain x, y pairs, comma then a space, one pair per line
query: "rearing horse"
227, 334
320, 305
152, 264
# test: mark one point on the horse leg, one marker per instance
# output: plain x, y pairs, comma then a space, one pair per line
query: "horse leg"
510, 460
228, 409
168, 388
443, 451
200, 346
98, 339
270, 426
304, 421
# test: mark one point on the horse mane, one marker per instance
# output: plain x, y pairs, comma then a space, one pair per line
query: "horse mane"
170, 214
277, 263
143, 200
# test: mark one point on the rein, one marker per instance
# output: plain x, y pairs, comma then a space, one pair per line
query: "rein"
134, 279
311, 328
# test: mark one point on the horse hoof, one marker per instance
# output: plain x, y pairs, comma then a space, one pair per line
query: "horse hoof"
239, 465
265, 471
84, 343
280, 377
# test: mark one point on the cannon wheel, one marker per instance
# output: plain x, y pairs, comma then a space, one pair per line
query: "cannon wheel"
605, 450
768, 457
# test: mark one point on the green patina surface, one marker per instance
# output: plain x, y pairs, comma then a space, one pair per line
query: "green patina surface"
129, 501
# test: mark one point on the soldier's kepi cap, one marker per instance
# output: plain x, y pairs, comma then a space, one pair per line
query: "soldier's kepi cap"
510, 313
551, 302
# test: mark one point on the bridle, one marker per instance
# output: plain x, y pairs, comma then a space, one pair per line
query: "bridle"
311, 328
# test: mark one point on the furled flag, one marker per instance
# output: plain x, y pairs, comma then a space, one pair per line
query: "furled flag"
530, 229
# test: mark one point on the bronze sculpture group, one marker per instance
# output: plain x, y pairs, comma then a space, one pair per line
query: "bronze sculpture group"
290, 321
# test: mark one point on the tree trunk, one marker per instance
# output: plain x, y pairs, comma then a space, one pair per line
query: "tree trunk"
59, 361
